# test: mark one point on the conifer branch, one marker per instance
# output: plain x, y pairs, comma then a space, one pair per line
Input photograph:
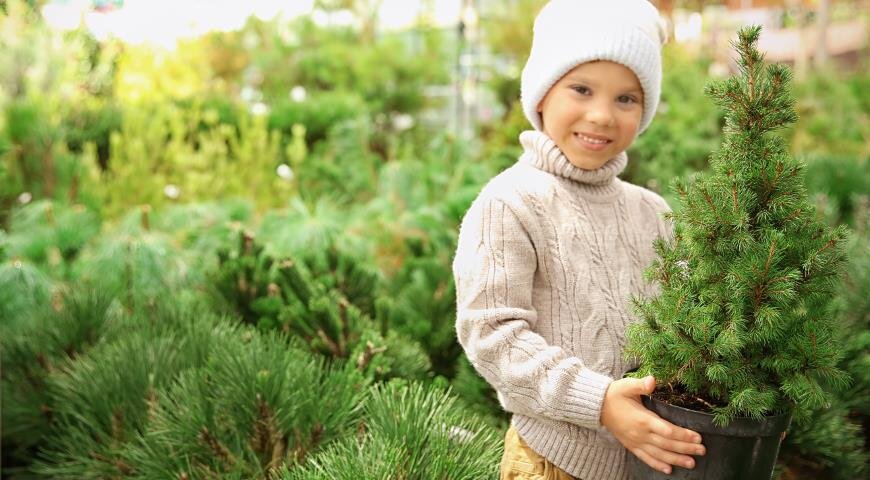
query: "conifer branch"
830, 243
793, 214
680, 303
247, 243
122, 466
733, 191
680, 188
333, 347
682, 370
215, 446
151, 403
268, 439
43, 362
117, 422
710, 203
770, 253
366, 356
279, 450
47, 412
343, 306
770, 187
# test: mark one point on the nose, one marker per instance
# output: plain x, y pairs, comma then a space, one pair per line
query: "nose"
600, 113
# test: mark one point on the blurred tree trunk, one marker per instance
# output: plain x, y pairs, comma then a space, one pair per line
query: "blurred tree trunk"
822, 32
48, 172
802, 55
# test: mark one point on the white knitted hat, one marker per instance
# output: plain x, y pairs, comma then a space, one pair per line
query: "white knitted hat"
570, 32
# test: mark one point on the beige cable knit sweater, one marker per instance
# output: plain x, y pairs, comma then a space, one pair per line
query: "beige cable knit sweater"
548, 258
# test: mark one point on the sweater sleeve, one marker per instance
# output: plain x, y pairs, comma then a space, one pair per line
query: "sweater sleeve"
494, 270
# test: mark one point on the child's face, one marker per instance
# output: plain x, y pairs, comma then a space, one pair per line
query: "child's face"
593, 112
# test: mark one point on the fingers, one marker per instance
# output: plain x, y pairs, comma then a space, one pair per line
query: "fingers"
641, 386
668, 430
668, 458
676, 446
649, 385
652, 462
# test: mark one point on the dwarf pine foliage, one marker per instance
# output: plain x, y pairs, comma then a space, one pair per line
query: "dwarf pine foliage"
744, 316
410, 430
34, 352
254, 406
326, 298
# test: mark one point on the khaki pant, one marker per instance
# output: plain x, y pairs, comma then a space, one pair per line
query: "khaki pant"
522, 463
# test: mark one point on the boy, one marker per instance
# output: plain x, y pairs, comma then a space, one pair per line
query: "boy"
554, 247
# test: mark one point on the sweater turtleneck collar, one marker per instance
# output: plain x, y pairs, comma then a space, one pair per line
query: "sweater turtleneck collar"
542, 152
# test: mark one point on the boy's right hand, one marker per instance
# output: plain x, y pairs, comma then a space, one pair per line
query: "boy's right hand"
655, 441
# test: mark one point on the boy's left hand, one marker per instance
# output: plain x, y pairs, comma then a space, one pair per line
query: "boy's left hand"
654, 440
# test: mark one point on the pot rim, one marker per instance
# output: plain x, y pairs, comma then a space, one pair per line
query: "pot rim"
703, 422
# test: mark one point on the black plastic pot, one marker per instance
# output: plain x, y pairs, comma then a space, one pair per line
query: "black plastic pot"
744, 450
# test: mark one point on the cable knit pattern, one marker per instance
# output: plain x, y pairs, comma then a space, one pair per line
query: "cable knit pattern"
548, 258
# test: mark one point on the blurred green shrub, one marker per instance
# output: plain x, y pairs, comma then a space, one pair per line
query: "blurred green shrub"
50, 234
345, 168
216, 110
24, 288
833, 444
162, 155
388, 73
43, 75
326, 299
501, 147
227, 57
133, 263
833, 114
91, 121
841, 181
32, 135
685, 130
35, 163
149, 74
318, 113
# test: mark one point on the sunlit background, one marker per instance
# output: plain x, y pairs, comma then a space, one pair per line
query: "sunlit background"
803, 33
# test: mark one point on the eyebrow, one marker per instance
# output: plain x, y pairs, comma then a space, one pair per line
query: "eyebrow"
577, 78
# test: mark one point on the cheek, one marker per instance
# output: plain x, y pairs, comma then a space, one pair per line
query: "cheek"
563, 117
630, 122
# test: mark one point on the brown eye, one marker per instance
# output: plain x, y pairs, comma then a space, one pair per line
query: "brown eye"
581, 89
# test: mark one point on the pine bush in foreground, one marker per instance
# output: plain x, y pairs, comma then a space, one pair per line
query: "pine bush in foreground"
411, 431
258, 404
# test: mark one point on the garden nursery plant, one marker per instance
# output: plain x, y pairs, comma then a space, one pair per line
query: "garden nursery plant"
741, 338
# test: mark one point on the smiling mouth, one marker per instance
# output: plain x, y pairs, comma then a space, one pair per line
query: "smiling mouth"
593, 139
592, 144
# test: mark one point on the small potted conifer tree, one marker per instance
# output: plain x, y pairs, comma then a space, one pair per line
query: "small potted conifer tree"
741, 339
